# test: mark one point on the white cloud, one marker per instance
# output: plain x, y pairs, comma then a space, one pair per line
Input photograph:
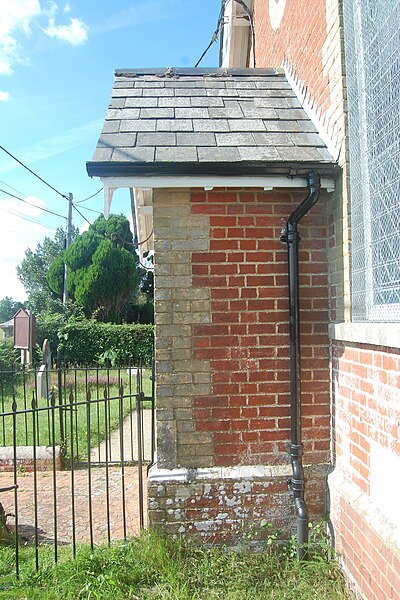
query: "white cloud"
4, 96
15, 15
16, 235
75, 33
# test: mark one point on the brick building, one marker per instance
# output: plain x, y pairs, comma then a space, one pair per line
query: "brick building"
219, 162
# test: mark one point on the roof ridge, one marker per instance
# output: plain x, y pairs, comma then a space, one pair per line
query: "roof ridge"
191, 71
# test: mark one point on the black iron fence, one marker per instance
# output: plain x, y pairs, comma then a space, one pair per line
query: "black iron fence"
75, 444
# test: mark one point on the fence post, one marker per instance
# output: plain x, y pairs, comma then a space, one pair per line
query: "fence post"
60, 396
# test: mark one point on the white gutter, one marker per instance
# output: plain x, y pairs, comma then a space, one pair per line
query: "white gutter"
207, 182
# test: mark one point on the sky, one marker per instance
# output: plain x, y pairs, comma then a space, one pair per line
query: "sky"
57, 63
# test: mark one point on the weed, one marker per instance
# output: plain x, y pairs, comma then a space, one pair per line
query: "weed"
155, 567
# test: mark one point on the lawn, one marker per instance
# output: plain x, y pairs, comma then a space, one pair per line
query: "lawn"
107, 407
153, 567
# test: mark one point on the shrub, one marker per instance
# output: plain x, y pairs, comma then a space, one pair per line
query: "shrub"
8, 355
87, 342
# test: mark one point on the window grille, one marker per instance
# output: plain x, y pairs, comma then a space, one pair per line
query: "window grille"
372, 44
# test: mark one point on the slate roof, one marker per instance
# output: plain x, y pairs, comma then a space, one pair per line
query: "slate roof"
206, 121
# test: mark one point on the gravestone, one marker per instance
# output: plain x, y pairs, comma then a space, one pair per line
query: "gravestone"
44, 374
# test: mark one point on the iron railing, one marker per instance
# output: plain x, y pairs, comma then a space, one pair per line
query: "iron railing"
74, 447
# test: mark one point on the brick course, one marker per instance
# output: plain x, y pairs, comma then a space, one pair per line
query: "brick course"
246, 341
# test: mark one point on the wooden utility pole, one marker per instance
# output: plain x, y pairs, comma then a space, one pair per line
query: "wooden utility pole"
67, 243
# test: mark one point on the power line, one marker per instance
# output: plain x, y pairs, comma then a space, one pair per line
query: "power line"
83, 216
217, 31
91, 210
12, 188
90, 197
33, 173
32, 204
25, 218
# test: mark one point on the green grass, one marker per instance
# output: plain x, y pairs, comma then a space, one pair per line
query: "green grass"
78, 383
152, 567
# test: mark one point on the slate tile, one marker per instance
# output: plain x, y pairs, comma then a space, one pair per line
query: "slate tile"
235, 139
157, 113
246, 125
159, 93
299, 154
102, 154
122, 113
191, 113
141, 102
272, 139
325, 154
195, 139
258, 153
214, 82
125, 92
220, 125
218, 154
111, 126
279, 83
307, 126
174, 102
117, 103
306, 139
291, 113
171, 154
113, 140
174, 125
271, 102
123, 82
185, 83
142, 154
231, 110
251, 111
190, 92
206, 101
282, 126
156, 139
136, 125
222, 92
252, 93
145, 83
241, 85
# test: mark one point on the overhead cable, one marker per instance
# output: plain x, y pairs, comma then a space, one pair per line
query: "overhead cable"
33, 173
32, 204
25, 218
218, 28
89, 197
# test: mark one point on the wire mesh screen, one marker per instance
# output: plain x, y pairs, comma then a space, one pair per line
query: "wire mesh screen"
372, 42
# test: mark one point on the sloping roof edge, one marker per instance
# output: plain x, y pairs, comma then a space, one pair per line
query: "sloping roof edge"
244, 168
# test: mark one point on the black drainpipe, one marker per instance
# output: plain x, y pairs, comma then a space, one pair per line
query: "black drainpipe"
291, 237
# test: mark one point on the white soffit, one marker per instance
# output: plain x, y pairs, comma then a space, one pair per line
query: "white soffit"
207, 182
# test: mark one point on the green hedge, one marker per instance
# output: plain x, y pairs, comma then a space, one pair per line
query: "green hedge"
88, 342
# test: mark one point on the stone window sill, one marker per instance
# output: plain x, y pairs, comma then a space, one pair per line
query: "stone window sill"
375, 334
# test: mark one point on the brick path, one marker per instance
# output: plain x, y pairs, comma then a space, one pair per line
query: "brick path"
45, 503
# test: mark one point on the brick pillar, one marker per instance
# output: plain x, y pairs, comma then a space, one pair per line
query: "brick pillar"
222, 362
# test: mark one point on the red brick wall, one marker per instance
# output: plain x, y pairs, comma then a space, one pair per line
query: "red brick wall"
366, 395
246, 341
367, 384
299, 41
365, 557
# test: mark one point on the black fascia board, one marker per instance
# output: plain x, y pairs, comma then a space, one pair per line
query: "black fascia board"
245, 168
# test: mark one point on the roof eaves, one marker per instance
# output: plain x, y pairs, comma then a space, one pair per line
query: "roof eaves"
244, 168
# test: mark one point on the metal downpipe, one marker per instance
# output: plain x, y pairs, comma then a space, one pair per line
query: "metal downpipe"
291, 237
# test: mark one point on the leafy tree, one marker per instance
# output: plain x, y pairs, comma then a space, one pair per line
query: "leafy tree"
33, 270
101, 272
8, 308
